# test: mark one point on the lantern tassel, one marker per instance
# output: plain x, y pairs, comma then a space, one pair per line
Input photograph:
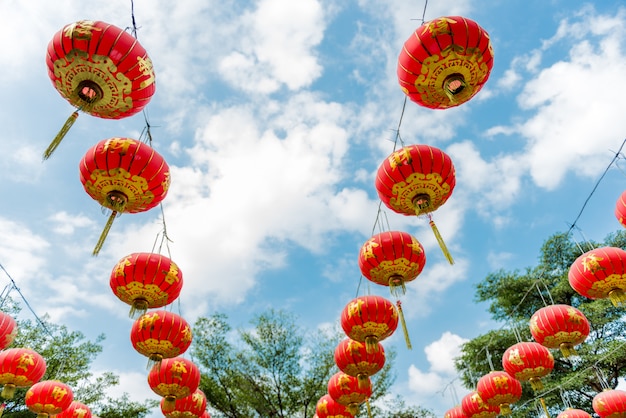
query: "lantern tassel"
369, 408
536, 384
8, 391
505, 409
397, 287
169, 403
567, 350
442, 244
371, 344
363, 381
404, 327
138, 308
545, 408
105, 232
617, 297
62, 132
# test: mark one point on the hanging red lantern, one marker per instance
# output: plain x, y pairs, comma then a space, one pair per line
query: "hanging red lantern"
353, 358
20, 368
146, 281
445, 62
559, 326
192, 406
610, 403
528, 361
620, 209
76, 410
8, 330
499, 389
347, 391
205, 415
600, 274
125, 176
456, 412
474, 407
416, 180
100, 69
48, 398
573, 413
369, 319
327, 407
174, 378
160, 334
392, 259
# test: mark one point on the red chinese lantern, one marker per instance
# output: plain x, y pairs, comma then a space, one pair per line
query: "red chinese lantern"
499, 389
474, 407
160, 334
20, 368
48, 398
528, 361
145, 281
573, 413
192, 406
369, 319
600, 274
125, 176
327, 407
559, 326
76, 410
445, 62
610, 403
347, 391
101, 70
353, 359
174, 378
620, 209
456, 412
416, 180
392, 259
8, 330
205, 415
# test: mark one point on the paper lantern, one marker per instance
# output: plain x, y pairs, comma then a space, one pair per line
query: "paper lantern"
600, 274
146, 281
559, 326
573, 413
528, 361
8, 330
20, 368
610, 403
456, 412
192, 406
76, 410
48, 398
100, 69
125, 176
369, 319
160, 334
445, 62
174, 378
416, 180
348, 391
620, 209
474, 407
499, 389
327, 407
353, 358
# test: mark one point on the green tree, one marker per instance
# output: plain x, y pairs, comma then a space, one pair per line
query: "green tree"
514, 296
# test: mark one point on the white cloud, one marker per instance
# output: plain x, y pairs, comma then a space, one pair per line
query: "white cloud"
66, 224
21, 251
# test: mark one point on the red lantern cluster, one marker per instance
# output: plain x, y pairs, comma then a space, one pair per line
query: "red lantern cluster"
559, 326
456, 412
327, 407
349, 391
600, 274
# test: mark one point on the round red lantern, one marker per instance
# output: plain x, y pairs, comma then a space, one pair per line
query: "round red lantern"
573, 413
174, 378
48, 398
610, 403
192, 406
474, 407
415, 180
445, 62
353, 358
76, 410
160, 334
20, 368
620, 209
347, 391
528, 361
456, 412
8, 330
99, 69
145, 281
125, 176
559, 326
600, 274
205, 415
499, 389
369, 319
392, 259
327, 407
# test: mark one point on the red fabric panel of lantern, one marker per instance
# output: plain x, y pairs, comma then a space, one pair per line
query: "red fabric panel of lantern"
415, 179
8, 330
559, 326
573, 413
347, 391
620, 209
445, 62
20, 368
48, 397
610, 403
327, 407
353, 358
100, 69
124, 169
392, 259
160, 334
174, 378
146, 279
475, 407
76, 410
456, 412
599, 274
369, 319
528, 361
192, 406
499, 389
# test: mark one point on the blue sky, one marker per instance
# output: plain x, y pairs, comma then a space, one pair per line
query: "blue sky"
274, 116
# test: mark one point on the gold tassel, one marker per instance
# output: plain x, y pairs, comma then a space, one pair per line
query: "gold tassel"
442, 244
505, 409
138, 308
371, 344
369, 408
567, 350
57, 139
169, 403
8, 391
404, 328
536, 384
617, 297
545, 408
397, 287
353, 408
105, 232
363, 380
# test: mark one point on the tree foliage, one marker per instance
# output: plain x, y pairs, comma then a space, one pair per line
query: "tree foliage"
514, 296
